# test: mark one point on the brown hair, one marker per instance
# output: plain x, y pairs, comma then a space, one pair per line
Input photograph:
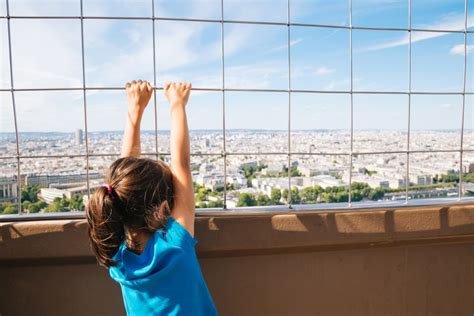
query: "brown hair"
141, 198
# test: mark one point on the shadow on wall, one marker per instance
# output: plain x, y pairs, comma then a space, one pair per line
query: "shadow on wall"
239, 235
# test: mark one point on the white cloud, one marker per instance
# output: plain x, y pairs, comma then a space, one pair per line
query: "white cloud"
46, 53
323, 71
459, 49
449, 22
257, 76
292, 43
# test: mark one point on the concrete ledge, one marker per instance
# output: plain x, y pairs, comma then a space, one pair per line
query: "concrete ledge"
63, 241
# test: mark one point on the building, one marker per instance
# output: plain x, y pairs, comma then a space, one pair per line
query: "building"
49, 194
273, 168
424, 180
8, 189
46, 180
79, 137
237, 180
468, 167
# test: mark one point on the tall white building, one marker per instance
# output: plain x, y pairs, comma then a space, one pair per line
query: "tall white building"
79, 137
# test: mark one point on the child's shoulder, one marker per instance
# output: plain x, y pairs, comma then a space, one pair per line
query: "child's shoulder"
175, 234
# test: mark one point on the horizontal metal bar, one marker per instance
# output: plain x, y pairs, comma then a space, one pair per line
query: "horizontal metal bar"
406, 152
260, 210
102, 155
230, 21
275, 153
251, 90
343, 153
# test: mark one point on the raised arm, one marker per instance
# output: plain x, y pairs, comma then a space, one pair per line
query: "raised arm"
138, 94
184, 205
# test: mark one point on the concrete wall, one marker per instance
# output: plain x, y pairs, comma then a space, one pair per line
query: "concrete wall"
412, 261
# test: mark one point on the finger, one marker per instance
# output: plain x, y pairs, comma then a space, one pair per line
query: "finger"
127, 85
134, 81
188, 86
167, 85
149, 87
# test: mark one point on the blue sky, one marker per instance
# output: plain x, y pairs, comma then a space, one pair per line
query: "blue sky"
47, 53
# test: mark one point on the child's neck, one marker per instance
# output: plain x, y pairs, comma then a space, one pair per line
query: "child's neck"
136, 239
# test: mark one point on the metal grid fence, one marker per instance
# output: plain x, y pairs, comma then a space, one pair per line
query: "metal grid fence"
223, 22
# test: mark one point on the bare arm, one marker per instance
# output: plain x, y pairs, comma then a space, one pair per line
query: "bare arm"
138, 94
184, 206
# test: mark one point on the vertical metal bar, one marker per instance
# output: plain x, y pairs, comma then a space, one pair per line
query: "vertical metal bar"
224, 150
10, 55
154, 80
407, 175
289, 106
84, 95
352, 104
463, 102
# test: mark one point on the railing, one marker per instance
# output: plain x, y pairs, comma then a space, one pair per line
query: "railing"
289, 90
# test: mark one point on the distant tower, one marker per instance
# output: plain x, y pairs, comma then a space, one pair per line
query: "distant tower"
208, 143
79, 138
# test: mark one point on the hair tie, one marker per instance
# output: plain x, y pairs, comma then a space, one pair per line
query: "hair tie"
108, 186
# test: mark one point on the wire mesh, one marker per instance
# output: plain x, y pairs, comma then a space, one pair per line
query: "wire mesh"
224, 154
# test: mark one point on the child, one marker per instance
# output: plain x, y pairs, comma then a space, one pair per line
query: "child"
141, 221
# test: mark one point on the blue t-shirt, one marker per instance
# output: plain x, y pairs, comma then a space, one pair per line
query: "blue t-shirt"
166, 278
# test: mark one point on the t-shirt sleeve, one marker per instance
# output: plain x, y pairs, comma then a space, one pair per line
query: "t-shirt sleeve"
178, 236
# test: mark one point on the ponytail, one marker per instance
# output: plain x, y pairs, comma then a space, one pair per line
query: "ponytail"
106, 230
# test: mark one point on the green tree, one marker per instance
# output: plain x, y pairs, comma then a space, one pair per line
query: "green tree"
34, 208
342, 196
357, 195
248, 171
450, 178
77, 203
295, 196
263, 199
202, 205
217, 203
58, 205
469, 177
275, 196
311, 194
10, 208
328, 197
25, 206
376, 194
295, 172
335, 189
249, 181
246, 199
201, 195
196, 187
30, 193
360, 186
285, 194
